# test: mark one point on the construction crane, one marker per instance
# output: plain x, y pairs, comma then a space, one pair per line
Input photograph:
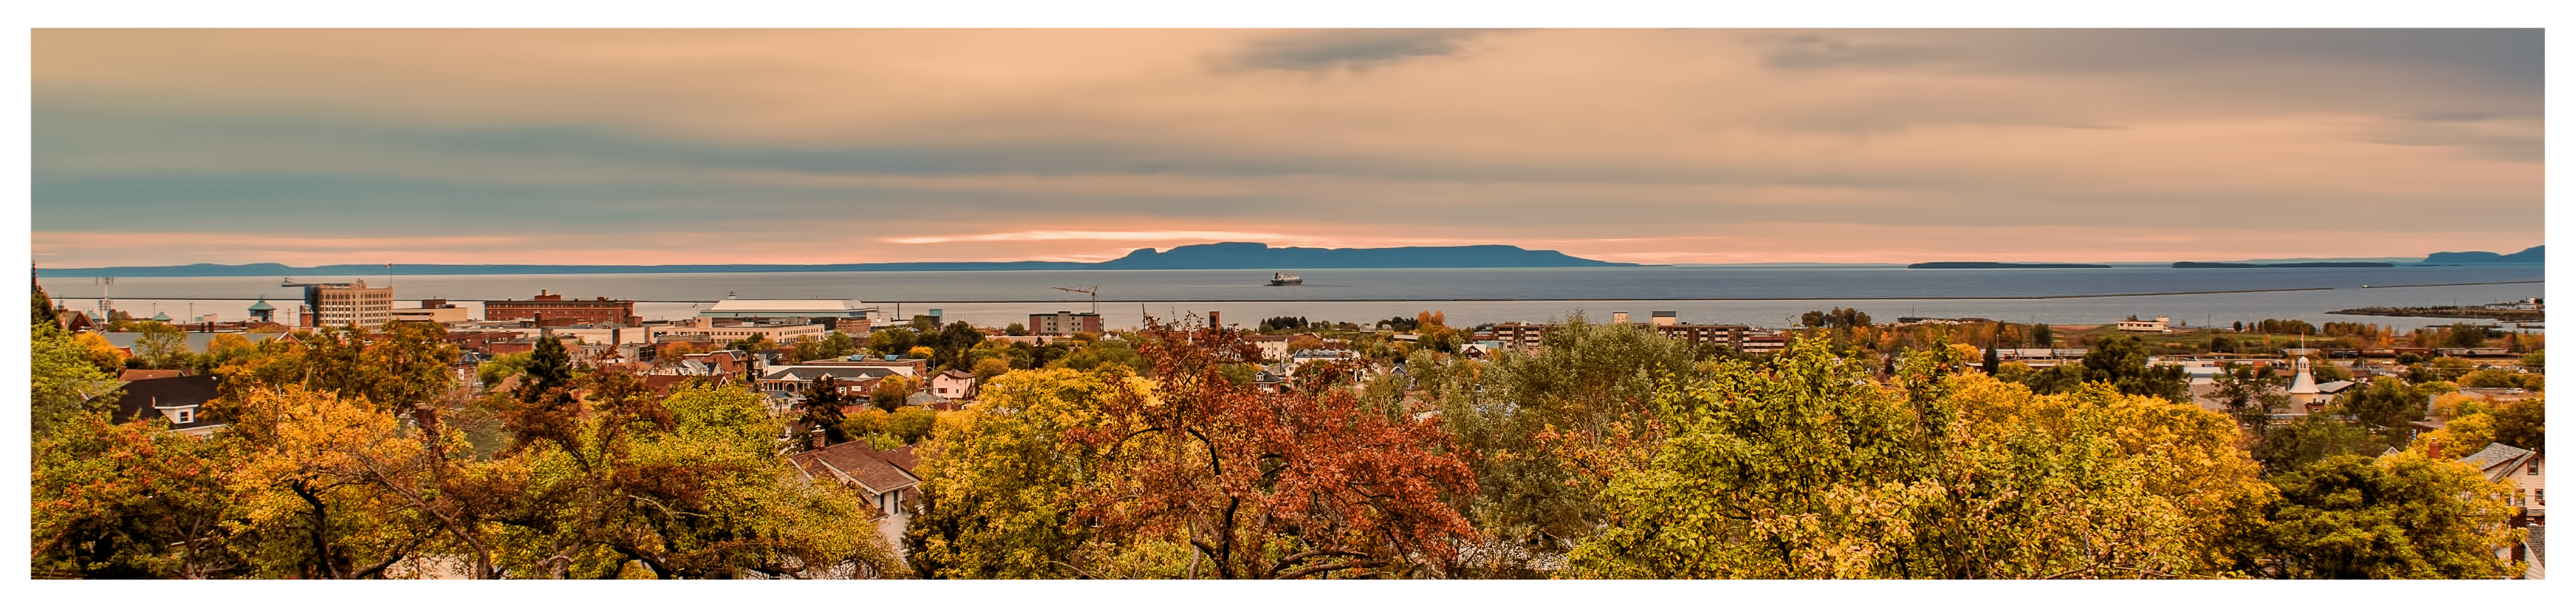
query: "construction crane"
1093, 291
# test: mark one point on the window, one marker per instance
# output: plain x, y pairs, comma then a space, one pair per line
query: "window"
2533, 467
187, 416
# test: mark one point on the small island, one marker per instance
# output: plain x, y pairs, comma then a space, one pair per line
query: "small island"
1970, 265
2311, 264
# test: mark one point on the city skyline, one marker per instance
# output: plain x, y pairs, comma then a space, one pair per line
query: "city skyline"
641, 147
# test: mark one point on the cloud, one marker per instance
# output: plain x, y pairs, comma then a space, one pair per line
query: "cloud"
701, 141
1347, 49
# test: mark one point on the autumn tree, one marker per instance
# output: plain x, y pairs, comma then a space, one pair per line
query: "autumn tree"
1809, 469
131, 501
2400, 516
998, 492
1262, 485
2522, 424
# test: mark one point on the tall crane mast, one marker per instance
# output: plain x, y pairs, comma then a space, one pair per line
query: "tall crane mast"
1092, 290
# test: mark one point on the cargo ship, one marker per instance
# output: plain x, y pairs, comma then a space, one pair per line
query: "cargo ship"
1281, 279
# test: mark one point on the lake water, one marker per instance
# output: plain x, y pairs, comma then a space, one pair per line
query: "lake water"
1767, 296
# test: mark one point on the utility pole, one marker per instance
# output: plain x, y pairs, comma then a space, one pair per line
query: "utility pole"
1092, 290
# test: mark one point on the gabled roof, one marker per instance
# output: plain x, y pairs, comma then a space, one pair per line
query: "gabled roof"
2333, 386
956, 374
855, 462
2496, 454
810, 372
144, 398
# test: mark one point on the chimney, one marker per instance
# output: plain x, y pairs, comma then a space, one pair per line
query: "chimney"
817, 435
2433, 449
1212, 320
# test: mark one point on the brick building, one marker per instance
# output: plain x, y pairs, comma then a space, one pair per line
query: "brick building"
557, 311
1065, 323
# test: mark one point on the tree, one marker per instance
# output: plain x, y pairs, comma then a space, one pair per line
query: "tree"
2121, 361
316, 504
1264, 485
1015, 330
821, 408
753, 343
96, 349
2400, 516
989, 368
892, 391
2043, 336
2312, 438
161, 346
63, 383
2386, 403
130, 501
892, 340
2245, 391
2465, 335
2522, 424
998, 490
1811, 469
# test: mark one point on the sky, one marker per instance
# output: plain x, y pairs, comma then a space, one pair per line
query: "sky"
321, 146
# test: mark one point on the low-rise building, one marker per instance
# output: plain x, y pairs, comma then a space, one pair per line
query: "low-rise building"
1064, 323
953, 384
2160, 325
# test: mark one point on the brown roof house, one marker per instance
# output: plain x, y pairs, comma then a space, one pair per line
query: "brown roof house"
858, 465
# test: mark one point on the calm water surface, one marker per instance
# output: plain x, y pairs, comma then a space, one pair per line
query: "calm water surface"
1761, 296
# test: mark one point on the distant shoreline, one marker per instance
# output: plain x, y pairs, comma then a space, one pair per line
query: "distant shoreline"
1462, 299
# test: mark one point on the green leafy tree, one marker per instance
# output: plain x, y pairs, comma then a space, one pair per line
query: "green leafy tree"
2400, 516
2386, 403
892, 340
2522, 424
2043, 336
998, 490
821, 408
63, 383
2465, 335
161, 346
2313, 438
2121, 361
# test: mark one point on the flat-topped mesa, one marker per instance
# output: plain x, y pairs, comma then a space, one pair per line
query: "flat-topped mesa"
1972, 265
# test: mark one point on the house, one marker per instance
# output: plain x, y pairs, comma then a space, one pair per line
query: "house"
953, 385
788, 381
181, 400
2528, 471
1273, 347
2159, 325
855, 464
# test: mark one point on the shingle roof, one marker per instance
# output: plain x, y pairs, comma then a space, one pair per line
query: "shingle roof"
855, 461
2494, 455
2538, 541
901, 457
143, 395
